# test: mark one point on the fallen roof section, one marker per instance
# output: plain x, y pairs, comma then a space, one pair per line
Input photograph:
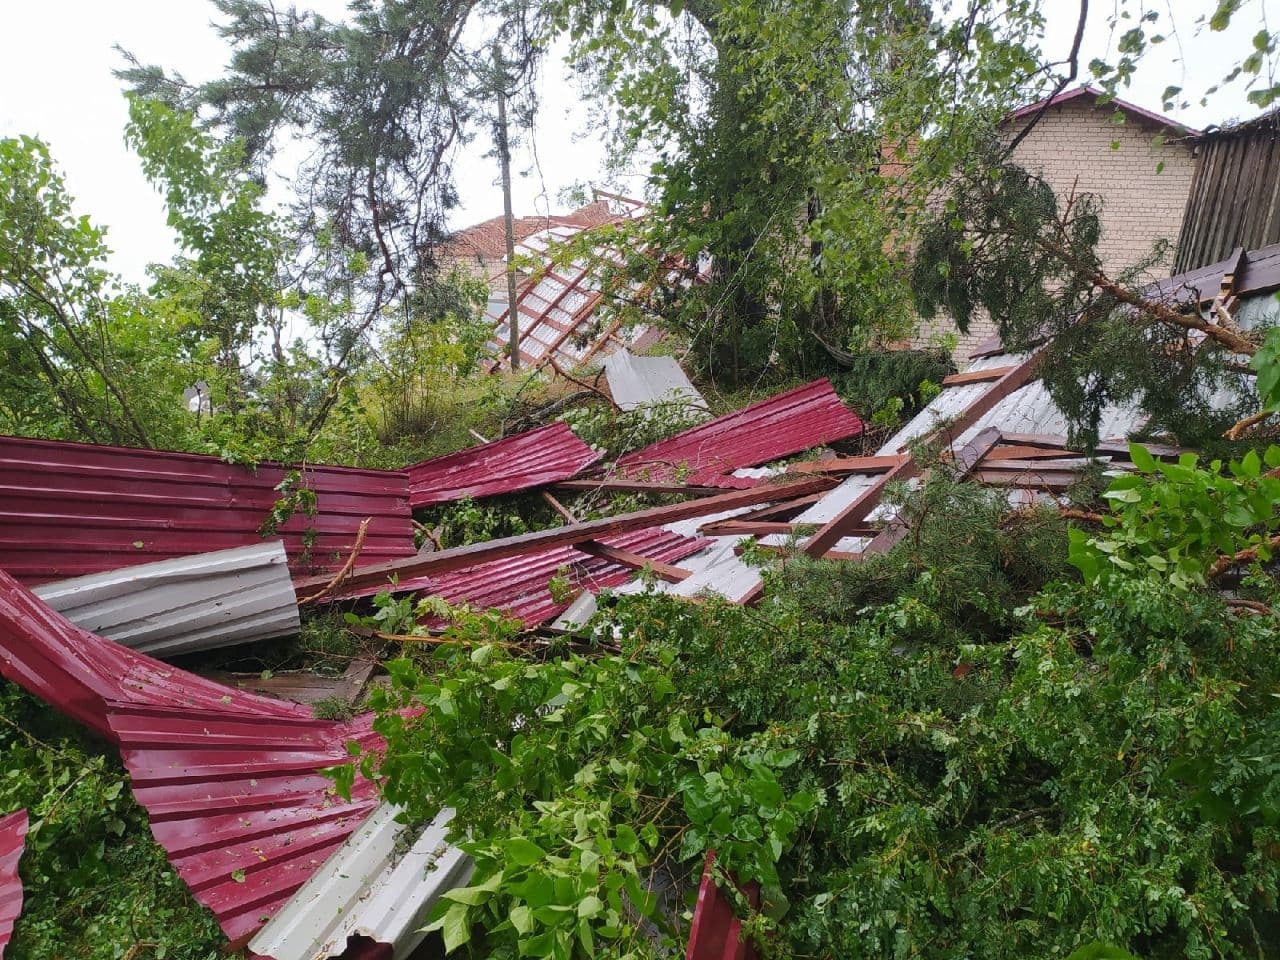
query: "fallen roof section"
459, 558
13, 833
780, 426
645, 383
231, 781
521, 462
365, 889
71, 509
520, 585
716, 932
172, 607
238, 800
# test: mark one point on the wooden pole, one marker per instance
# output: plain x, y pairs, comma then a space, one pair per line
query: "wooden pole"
504, 156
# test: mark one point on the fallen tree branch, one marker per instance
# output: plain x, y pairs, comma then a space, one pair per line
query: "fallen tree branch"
1248, 555
1252, 606
1238, 428
346, 567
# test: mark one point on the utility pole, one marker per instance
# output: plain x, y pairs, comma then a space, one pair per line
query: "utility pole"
504, 155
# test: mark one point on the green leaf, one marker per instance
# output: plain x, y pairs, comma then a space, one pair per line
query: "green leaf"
522, 851
1101, 951
522, 919
1141, 458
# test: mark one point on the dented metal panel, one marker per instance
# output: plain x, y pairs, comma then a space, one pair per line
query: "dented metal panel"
180, 606
70, 509
780, 426
239, 802
231, 781
13, 833
520, 586
366, 889
647, 382
521, 462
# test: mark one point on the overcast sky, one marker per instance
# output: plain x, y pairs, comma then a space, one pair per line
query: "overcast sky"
56, 59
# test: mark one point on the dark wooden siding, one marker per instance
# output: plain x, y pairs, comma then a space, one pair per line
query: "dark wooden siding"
1235, 194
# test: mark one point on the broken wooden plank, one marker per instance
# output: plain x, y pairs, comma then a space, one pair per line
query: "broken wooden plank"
847, 465
781, 511
302, 686
637, 486
976, 376
1120, 448
666, 571
765, 528
857, 511
1008, 451
457, 558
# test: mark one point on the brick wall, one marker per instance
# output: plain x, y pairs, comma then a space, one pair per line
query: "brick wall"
1071, 146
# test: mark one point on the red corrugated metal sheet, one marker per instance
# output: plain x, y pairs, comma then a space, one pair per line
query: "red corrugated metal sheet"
522, 462
230, 780
520, 586
781, 426
78, 672
13, 832
716, 930
239, 803
68, 509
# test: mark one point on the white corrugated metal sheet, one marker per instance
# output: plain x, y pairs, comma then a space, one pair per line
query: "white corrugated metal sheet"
187, 604
643, 382
365, 890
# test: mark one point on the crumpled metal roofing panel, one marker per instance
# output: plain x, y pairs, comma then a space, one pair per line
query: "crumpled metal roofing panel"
69, 509
13, 833
238, 801
180, 606
521, 462
780, 426
230, 780
366, 889
646, 382
520, 585
77, 673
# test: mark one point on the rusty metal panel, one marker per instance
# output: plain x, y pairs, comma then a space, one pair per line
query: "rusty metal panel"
520, 586
521, 462
13, 833
69, 509
181, 606
367, 889
780, 426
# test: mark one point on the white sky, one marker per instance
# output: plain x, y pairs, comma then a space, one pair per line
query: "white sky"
56, 59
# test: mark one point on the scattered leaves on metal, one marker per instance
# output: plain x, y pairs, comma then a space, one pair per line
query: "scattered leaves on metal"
521, 462
780, 426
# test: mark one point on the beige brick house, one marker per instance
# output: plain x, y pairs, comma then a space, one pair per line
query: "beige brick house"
1078, 144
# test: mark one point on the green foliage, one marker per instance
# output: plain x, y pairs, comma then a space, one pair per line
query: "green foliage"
870, 381
569, 779
790, 142
96, 884
1171, 521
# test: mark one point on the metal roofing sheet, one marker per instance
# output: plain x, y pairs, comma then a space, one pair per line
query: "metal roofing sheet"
521, 462
644, 382
367, 889
230, 780
238, 801
71, 509
520, 585
716, 932
191, 603
780, 426
13, 833
77, 672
